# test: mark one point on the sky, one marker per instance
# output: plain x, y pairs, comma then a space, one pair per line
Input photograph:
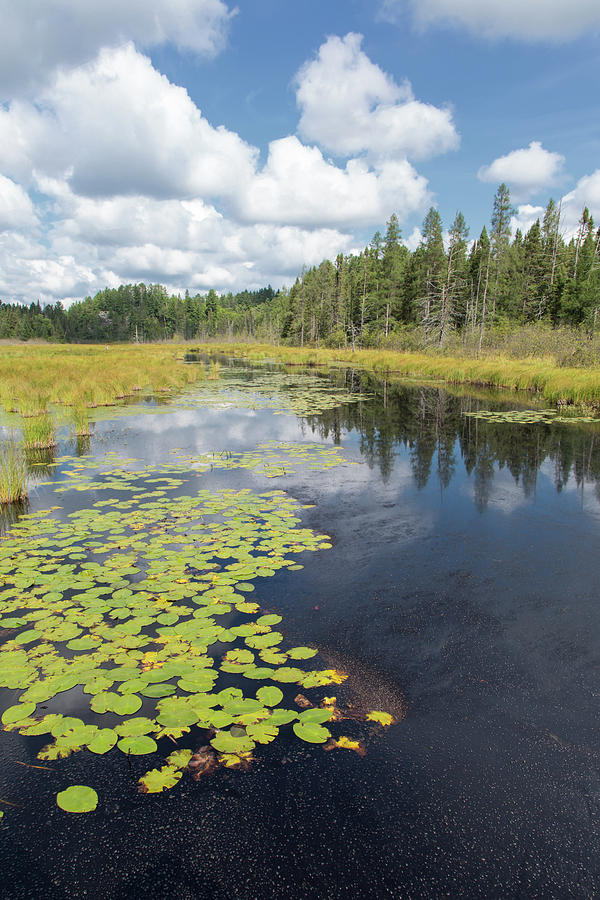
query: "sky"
201, 144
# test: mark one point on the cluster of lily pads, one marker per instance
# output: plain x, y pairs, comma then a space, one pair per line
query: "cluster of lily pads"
296, 393
143, 603
528, 416
272, 459
301, 393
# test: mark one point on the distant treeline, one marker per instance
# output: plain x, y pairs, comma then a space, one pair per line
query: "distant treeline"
442, 289
136, 312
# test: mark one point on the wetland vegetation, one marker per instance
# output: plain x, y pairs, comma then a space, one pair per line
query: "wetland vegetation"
219, 582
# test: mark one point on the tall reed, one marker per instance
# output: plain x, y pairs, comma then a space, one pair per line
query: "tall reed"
38, 433
13, 473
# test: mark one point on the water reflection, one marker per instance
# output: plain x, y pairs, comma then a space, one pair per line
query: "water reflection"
431, 426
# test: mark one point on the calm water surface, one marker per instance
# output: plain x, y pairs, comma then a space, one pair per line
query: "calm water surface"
463, 583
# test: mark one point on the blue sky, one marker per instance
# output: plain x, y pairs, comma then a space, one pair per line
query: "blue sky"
203, 145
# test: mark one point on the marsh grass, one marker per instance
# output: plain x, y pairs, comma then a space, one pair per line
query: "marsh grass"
13, 473
35, 377
80, 420
39, 433
559, 384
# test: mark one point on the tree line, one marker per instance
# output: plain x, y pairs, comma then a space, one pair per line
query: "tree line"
447, 286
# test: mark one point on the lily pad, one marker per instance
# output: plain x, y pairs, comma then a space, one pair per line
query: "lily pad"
138, 745
311, 732
269, 696
17, 712
77, 799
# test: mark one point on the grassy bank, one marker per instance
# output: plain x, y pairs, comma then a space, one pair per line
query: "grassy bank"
48, 385
34, 376
559, 385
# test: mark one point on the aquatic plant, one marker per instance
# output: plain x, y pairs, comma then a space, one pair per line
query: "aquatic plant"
557, 384
39, 432
32, 377
13, 473
81, 420
149, 596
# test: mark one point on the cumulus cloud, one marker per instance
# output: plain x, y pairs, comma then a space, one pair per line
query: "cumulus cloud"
525, 216
298, 186
533, 20
38, 36
527, 171
95, 242
131, 182
117, 126
414, 239
28, 272
349, 106
16, 209
585, 193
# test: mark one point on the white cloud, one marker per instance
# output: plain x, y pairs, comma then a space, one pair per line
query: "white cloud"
117, 126
349, 106
527, 171
585, 193
166, 149
98, 242
16, 209
525, 217
298, 186
132, 183
528, 20
28, 271
414, 239
38, 36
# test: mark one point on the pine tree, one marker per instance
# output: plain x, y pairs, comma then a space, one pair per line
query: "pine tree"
392, 269
500, 241
433, 261
455, 272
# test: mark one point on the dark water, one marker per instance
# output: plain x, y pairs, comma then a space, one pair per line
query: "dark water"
464, 577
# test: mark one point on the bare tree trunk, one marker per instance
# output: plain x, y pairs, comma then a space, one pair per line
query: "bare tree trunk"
483, 307
362, 307
445, 311
555, 246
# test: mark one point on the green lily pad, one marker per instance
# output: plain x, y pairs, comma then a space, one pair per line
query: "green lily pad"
17, 712
77, 799
311, 732
103, 741
157, 690
316, 716
157, 780
225, 742
139, 745
269, 696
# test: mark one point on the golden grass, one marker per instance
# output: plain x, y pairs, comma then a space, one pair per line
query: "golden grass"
34, 376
